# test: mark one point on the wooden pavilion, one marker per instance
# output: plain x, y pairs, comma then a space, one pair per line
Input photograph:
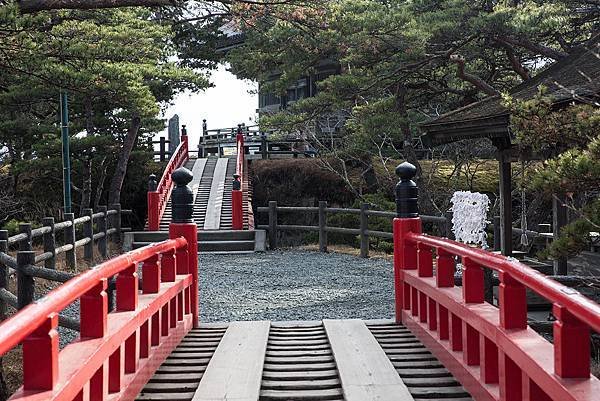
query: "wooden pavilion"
575, 78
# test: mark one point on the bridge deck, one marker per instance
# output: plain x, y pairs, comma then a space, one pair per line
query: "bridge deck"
321, 360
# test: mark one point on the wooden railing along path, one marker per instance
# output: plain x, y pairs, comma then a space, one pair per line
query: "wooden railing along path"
108, 225
323, 228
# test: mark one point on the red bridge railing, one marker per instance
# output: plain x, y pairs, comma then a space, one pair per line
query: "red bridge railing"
237, 198
491, 350
159, 195
117, 352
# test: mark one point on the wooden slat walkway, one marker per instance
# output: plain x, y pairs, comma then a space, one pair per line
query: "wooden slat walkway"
349, 360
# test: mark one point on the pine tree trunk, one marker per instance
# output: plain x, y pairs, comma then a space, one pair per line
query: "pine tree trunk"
114, 194
3, 388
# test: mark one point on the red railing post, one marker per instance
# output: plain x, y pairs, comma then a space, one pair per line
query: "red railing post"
183, 226
40, 356
127, 289
407, 221
512, 300
94, 311
151, 275
472, 285
571, 345
444, 273
167, 266
237, 199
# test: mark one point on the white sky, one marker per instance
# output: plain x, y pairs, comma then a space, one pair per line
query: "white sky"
227, 104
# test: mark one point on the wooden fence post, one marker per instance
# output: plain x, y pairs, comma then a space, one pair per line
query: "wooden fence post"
25, 244
264, 147
364, 227
102, 228
3, 273
163, 149
116, 221
497, 235
322, 226
25, 282
70, 256
273, 224
88, 232
50, 242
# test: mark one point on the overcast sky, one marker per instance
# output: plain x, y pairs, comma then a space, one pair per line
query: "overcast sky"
228, 104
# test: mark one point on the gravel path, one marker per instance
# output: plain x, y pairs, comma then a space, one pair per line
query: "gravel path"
294, 285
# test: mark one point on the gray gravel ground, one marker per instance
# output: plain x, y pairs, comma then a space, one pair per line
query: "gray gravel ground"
294, 285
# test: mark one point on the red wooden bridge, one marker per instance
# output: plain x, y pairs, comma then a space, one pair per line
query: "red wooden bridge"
445, 342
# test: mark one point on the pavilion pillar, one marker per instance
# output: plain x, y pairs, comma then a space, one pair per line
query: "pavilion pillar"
505, 203
559, 220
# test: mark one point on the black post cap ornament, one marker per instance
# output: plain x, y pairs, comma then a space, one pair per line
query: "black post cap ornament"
182, 196
407, 192
152, 183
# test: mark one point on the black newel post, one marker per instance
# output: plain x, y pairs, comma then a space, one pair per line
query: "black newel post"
182, 196
407, 192
237, 184
152, 183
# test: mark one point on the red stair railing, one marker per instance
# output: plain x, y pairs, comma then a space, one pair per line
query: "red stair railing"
158, 197
491, 350
237, 203
117, 352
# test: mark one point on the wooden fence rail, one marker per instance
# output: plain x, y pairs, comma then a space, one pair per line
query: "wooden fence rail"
323, 228
96, 230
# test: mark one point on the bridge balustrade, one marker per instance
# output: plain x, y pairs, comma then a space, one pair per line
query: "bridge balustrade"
117, 352
237, 202
490, 349
160, 192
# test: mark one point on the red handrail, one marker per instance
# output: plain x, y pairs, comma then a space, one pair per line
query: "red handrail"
158, 199
128, 343
491, 350
237, 198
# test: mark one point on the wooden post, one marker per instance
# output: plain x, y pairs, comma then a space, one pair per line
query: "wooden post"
3, 274
497, 235
559, 220
102, 228
25, 282
88, 232
25, 244
322, 226
273, 224
50, 242
116, 221
364, 227
163, 149
70, 255
264, 147
505, 204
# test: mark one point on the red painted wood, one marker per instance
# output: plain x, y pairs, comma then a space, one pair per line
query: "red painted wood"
443, 323
127, 289
93, 311
423, 307
488, 352
473, 286
164, 320
433, 318
405, 257
155, 329
189, 231
40, 356
180, 297
424, 260
414, 301
512, 302
173, 313
444, 268
157, 200
151, 274
116, 370
510, 379
456, 339
571, 345
237, 210
533, 392
99, 384
181, 261
470, 344
145, 339
132, 353
167, 266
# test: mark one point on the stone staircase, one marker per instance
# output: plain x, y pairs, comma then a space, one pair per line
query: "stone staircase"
215, 242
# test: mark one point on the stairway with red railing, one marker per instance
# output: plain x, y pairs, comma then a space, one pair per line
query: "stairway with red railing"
490, 350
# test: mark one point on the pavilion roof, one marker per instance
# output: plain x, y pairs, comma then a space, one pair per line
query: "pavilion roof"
573, 78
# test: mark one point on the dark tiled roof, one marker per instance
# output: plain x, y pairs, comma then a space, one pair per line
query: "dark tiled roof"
573, 77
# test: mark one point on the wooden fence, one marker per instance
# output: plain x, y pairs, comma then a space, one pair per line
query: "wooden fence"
323, 228
96, 231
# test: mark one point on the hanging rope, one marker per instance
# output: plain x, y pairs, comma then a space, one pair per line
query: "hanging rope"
524, 239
